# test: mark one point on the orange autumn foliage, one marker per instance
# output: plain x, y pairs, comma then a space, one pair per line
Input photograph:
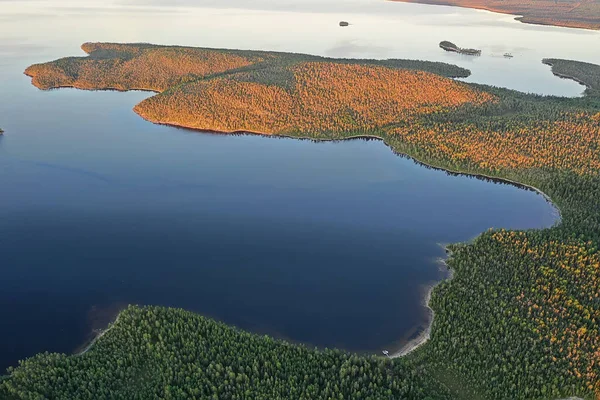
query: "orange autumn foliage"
572, 143
222, 105
327, 97
152, 68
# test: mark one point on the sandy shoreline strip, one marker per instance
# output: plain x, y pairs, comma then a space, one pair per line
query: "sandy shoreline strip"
425, 334
98, 336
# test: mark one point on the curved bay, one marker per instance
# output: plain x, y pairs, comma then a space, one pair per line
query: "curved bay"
330, 244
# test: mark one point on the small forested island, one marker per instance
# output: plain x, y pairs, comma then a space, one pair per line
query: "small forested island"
449, 46
344, 23
519, 320
568, 13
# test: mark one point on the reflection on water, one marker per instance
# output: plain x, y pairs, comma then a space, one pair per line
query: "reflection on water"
352, 49
329, 244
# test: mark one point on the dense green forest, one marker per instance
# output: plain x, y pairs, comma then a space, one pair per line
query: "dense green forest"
155, 352
520, 319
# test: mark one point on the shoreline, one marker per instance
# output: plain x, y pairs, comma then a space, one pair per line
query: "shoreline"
98, 336
483, 176
425, 335
106, 89
524, 19
564, 76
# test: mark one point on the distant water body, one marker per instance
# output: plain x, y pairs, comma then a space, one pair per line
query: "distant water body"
330, 244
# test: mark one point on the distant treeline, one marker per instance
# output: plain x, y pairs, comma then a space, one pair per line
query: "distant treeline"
571, 13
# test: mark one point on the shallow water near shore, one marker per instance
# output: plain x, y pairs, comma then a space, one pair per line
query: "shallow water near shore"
330, 244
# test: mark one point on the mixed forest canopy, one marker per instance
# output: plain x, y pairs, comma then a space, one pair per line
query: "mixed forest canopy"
272, 93
520, 319
585, 73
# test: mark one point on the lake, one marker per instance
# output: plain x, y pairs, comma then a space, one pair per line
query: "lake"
329, 244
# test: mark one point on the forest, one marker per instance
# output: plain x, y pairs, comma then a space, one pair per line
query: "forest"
520, 319
584, 73
154, 352
449, 46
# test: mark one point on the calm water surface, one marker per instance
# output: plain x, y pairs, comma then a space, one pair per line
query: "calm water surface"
330, 244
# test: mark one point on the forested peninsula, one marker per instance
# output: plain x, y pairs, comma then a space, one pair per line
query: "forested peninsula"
568, 13
520, 319
585, 73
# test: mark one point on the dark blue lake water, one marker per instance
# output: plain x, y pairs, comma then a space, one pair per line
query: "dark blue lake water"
331, 244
